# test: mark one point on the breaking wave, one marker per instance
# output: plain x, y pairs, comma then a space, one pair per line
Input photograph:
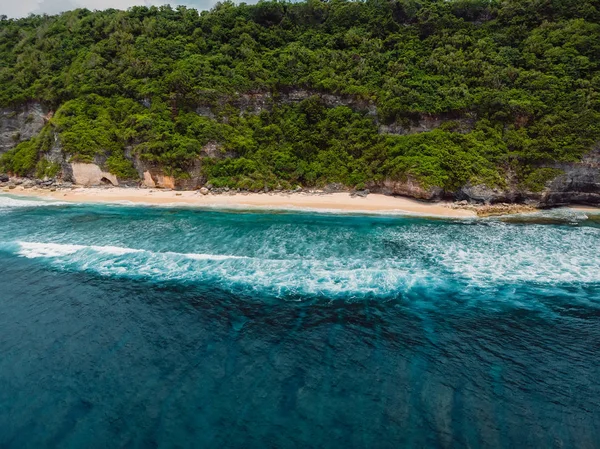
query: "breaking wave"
414, 260
7, 202
289, 255
479, 332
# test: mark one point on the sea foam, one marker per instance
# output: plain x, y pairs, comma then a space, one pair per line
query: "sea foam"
7, 202
286, 255
438, 263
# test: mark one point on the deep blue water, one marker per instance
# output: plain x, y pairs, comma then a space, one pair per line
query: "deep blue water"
173, 328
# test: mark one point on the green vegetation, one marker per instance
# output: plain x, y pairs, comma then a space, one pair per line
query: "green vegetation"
47, 169
516, 84
23, 158
536, 180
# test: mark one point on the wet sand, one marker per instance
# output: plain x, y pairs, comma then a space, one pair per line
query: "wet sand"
592, 209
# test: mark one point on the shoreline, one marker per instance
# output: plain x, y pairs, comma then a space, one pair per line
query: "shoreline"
373, 203
333, 202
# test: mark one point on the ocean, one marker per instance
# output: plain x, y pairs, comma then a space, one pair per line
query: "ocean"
148, 327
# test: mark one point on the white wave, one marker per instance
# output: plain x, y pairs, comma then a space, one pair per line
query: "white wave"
392, 261
208, 256
280, 276
33, 250
7, 202
37, 249
497, 253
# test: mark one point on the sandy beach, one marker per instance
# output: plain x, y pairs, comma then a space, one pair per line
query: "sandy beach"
373, 203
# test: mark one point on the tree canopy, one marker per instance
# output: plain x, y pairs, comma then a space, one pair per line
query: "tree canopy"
512, 84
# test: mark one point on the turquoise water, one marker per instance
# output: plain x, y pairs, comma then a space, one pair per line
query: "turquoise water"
150, 327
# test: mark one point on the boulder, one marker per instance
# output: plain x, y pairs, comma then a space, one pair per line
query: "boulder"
361, 193
204, 191
91, 175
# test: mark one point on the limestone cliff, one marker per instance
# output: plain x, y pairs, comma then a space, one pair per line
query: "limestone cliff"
21, 123
578, 182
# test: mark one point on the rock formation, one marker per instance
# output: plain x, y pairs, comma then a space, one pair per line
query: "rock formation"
579, 182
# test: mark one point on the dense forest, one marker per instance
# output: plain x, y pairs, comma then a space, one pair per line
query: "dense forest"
512, 85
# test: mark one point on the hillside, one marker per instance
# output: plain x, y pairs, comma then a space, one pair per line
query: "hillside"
486, 100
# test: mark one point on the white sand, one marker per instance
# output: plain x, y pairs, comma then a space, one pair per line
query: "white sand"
332, 202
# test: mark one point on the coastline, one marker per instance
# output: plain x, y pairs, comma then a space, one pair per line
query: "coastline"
336, 202
580, 208
316, 201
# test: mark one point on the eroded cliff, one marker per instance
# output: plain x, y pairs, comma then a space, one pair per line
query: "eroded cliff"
573, 182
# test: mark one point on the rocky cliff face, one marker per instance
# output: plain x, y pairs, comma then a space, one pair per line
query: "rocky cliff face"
409, 186
578, 183
152, 175
24, 122
257, 102
428, 122
21, 123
